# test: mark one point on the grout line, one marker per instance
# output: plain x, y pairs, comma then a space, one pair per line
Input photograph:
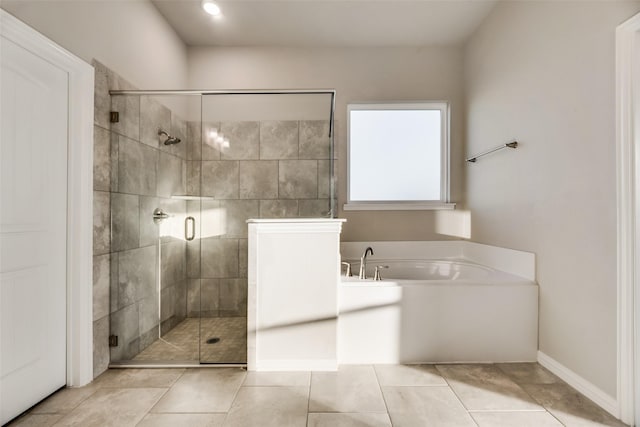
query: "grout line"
455, 394
375, 373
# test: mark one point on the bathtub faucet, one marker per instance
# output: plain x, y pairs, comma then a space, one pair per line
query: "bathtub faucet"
363, 263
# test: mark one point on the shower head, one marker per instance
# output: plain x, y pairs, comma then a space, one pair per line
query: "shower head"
166, 138
172, 140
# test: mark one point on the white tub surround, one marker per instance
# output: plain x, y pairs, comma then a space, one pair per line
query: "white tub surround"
435, 304
511, 261
293, 278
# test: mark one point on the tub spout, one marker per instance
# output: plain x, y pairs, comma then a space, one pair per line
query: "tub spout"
363, 263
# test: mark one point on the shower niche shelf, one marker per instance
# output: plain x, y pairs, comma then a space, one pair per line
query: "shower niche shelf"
191, 197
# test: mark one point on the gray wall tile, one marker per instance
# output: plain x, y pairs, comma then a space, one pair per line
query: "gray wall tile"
102, 99
298, 179
237, 214
125, 222
233, 297
324, 179
180, 304
101, 283
194, 141
220, 179
136, 275
210, 296
178, 130
193, 259
278, 208
193, 297
219, 258
173, 263
213, 219
115, 150
314, 139
210, 149
167, 303
244, 139
136, 168
194, 169
100, 346
129, 121
148, 337
243, 255
148, 313
170, 178
259, 179
278, 140
101, 222
124, 324
101, 159
172, 229
315, 208
149, 231
113, 283
153, 116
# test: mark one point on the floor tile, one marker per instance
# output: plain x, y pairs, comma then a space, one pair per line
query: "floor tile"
269, 407
485, 387
134, 378
519, 418
182, 420
292, 379
350, 389
202, 390
569, 406
425, 406
64, 400
113, 407
408, 375
348, 420
528, 373
36, 420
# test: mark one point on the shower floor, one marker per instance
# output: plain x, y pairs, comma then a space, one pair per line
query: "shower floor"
188, 342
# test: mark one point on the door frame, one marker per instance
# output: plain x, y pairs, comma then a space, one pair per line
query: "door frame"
628, 216
79, 193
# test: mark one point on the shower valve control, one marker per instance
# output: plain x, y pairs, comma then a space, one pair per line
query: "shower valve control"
159, 215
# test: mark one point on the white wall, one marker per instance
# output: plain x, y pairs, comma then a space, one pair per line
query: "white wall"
130, 37
543, 73
358, 74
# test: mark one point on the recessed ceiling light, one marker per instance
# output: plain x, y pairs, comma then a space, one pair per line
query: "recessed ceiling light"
211, 8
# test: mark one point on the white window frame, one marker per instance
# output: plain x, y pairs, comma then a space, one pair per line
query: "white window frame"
443, 203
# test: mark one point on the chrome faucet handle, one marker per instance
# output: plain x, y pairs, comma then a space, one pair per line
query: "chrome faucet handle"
348, 265
376, 274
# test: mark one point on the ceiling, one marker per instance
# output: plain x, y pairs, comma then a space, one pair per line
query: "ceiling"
326, 23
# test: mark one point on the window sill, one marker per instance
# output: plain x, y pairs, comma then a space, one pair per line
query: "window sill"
400, 206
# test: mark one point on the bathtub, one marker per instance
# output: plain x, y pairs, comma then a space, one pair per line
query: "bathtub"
436, 310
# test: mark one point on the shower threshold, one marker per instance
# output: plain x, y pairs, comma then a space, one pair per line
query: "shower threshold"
172, 364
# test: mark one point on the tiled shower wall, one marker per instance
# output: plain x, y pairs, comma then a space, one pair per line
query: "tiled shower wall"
270, 169
134, 174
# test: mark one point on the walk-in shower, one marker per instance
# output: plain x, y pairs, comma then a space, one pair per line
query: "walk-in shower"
188, 168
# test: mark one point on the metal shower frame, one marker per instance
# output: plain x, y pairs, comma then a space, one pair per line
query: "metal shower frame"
332, 92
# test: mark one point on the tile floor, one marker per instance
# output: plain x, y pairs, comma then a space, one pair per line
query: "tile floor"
511, 395
180, 344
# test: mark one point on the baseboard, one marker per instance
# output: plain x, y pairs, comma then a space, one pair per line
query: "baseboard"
592, 392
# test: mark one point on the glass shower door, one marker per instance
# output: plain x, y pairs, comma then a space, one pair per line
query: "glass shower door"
152, 318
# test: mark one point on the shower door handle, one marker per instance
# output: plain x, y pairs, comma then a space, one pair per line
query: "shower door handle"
188, 220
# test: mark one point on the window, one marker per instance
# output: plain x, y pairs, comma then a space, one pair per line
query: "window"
398, 156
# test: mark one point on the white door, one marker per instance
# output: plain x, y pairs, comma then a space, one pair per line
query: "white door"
33, 212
